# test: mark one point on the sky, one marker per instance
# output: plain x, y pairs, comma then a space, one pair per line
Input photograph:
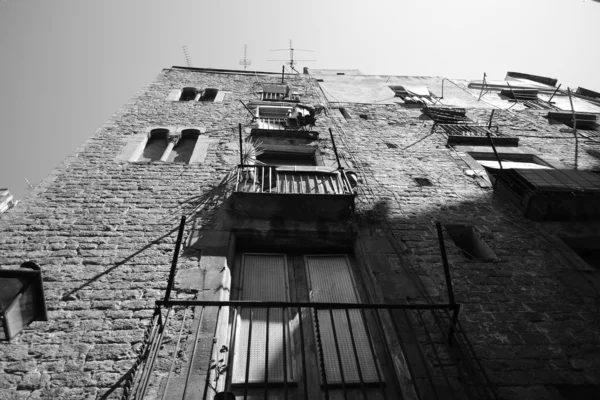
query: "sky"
67, 66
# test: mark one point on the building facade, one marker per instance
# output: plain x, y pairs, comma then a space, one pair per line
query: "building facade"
232, 234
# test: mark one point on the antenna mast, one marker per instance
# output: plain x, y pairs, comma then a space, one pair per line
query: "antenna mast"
291, 62
187, 56
245, 62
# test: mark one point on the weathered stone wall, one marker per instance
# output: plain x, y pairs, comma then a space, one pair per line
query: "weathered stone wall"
103, 230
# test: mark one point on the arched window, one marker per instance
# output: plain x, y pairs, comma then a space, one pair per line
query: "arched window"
156, 145
182, 152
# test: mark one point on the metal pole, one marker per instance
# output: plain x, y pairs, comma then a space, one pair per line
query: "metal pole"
241, 146
445, 262
551, 97
250, 111
491, 118
282, 72
175, 257
335, 150
574, 129
482, 86
494, 148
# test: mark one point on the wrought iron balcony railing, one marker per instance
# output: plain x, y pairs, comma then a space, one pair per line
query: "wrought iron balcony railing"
292, 180
276, 350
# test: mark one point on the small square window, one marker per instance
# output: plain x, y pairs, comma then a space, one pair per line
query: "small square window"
423, 182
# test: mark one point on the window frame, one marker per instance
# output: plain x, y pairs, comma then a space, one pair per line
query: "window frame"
135, 145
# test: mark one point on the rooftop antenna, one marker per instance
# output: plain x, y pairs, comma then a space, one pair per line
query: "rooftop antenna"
291, 62
245, 62
187, 56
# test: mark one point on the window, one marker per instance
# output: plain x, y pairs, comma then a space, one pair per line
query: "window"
290, 155
272, 117
584, 120
194, 94
6, 200
586, 247
423, 182
414, 95
166, 144
470, 244
278, 93
324, 278
510, 161
528, 97
21, 299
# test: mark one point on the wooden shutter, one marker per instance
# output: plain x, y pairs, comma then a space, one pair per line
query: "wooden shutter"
330, 280
263, 277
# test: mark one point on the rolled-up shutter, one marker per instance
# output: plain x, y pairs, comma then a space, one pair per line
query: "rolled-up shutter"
264, 277
331, 281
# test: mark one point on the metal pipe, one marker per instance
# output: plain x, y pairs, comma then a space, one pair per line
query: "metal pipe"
241, 145
445, 262
316, 305
246, 107
574, 129
488, 133
551, 97
335, 150
175, 257
482, 86
491, 118
453, 324
267, 357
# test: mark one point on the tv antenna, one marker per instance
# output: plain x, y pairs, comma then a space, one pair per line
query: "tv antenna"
187, 56
291, 62
245, 62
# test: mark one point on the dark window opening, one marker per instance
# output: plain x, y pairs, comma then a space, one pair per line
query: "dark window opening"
583, 121
319, 80
364, 116
287, 158
188, 94
587, 248
156, 146
340, 73
391, 145
209, 94
182, 152
578, 392
423, 182
468, 241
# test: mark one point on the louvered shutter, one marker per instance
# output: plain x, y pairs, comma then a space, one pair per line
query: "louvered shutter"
331, 282
264, 277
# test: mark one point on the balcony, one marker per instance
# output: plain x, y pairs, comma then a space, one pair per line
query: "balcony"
553, 194
293, 192
279, 350
273, 120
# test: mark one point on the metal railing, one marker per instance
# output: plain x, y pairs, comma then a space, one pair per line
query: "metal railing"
291, 180
296, 351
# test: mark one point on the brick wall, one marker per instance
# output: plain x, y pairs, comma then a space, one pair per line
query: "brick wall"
103, 230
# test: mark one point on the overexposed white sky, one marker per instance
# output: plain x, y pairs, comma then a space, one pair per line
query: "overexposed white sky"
67, 66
